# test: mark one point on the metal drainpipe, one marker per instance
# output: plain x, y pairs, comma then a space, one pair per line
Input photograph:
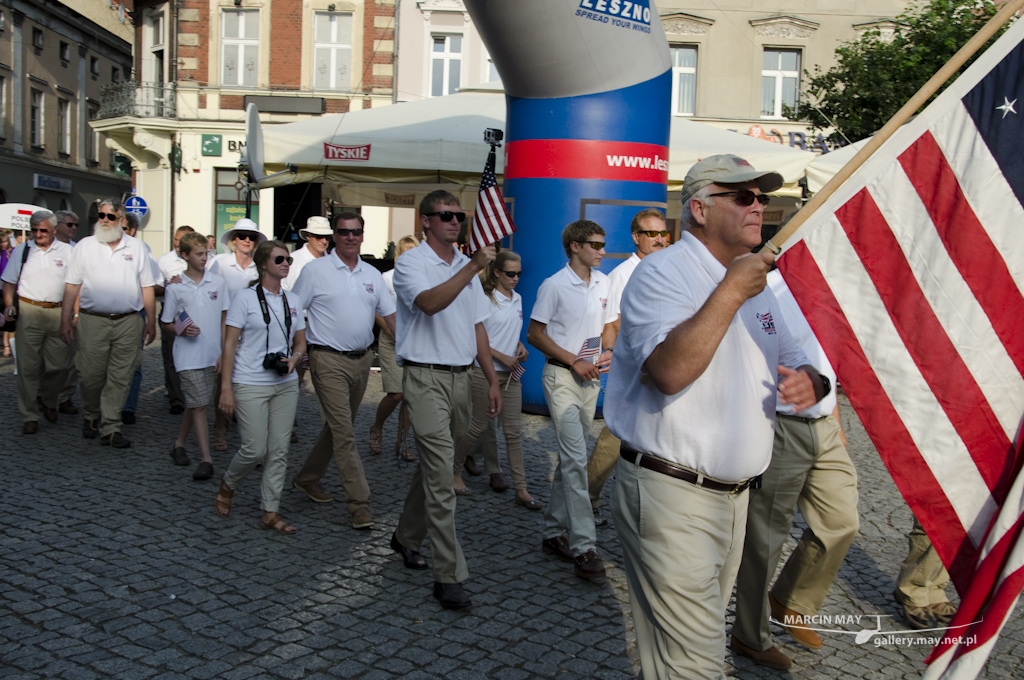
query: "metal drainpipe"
394, 56
174, 138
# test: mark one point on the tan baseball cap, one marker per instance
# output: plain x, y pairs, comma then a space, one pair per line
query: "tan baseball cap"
727, 169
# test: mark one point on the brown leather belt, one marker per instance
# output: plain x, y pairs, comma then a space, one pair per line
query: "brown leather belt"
111, 317
671, 469
437, 367
560, 364
37, 303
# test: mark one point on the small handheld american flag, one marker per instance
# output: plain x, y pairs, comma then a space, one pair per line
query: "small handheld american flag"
591, 348
181, 322
491, 222
518, 372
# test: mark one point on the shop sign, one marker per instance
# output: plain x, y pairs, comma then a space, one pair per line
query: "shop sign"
211, 145
51, 183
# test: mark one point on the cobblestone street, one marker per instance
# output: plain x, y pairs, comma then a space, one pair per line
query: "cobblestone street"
113, 564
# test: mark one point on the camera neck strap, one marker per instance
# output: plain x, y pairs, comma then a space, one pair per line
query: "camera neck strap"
265, 308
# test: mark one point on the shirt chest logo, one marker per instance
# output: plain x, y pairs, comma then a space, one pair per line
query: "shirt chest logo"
767, 323
58, 263
520, 315
213, 294
604, 303
128, 257
293, 312
368, 287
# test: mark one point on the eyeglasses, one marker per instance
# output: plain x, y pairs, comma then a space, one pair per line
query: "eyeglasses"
349, 232
745, 197
40, 230
246, 236
596, 245
107, 216
511, 275
651, 233
281, 258
316, 236
447, 215
70, 224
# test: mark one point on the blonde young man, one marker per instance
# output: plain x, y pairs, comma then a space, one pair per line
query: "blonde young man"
112, 277
172, 266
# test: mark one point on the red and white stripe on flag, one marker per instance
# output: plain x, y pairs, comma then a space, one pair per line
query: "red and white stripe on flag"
491, 221
911, 277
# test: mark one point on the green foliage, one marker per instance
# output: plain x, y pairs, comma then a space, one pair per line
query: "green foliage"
874, 77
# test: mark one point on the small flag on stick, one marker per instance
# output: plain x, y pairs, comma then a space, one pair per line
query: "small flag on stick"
591, 348
491, 222
181, 322
518, 371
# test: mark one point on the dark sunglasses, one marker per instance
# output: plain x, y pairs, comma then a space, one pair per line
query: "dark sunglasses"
651, 233
511, 275
746, 197
316, 236
42, 230
596, 245
107, 216
70, 224
281, 258
246, 236
349, 232
447, 215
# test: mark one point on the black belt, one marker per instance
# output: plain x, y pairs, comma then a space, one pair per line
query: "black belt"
671, 469
800, 418
560, 364
111, 317
437, 367
354, 353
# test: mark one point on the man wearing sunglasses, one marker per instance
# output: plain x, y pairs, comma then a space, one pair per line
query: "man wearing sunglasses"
441, 310
39, 287
701, 359
317, 235
342, 296
649, 236
112, 276
67, 227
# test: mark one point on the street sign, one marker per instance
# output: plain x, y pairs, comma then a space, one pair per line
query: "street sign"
16, 215
136, 206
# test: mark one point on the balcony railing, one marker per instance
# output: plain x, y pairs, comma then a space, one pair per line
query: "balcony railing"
131, 98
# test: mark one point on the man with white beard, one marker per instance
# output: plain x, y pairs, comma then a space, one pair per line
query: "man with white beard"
111, 272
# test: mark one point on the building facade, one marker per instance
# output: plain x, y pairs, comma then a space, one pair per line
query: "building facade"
55, 58
198, 63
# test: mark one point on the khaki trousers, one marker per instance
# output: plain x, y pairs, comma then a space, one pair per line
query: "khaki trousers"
681, 545
108, 354
571, 402
171, 379
67, 392
810, 469
439, 411
42, 359
481, 430
922, 579
340, 382
265, 414
601, 464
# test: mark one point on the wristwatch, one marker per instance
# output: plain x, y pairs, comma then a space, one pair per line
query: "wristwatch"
827, 384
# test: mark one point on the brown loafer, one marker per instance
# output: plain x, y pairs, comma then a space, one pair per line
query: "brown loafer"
794, 625
559, 547
471, 467
29, 427
116, 440
50, 413
315, 492
90, 429
67, 408
498, 482
589, 565
770, 658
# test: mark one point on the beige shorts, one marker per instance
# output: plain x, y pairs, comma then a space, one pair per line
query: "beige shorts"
197, 386
390, 371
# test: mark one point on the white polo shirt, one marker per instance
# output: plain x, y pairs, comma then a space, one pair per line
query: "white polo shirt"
245, 313
45, 270
804, 337
112, 279
448, 337
204, 303
340, 304
617, 283
389, 281
171, 264
573, 310
504, 325
226, 265
722, 423
300, 258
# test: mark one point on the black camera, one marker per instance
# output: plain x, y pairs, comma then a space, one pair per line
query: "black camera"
276, 362
493, 136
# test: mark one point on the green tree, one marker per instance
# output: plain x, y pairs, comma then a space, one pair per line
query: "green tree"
874, 77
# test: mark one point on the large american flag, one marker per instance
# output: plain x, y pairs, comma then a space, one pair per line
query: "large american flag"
911, 277
491, 221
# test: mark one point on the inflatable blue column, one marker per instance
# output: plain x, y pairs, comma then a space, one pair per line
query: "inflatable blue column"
588, 84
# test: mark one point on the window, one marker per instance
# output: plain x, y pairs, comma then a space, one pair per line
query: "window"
445, 65
492, 72
684, 80
37, 38
3, 27
35, 118
157, 29
153, 66
780, 83
94, 66
332, 56
92, 143
65, 52
240, 57
115, 75
64, 125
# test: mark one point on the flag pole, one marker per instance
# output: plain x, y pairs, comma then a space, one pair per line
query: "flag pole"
902, 116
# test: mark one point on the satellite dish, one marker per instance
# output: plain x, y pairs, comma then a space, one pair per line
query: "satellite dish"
253, 143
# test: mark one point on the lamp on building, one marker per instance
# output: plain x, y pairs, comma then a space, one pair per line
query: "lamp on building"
238, 3
330, 8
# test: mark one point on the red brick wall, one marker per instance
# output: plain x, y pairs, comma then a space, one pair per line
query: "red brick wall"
337, 106
285, 44
370, 36
202, 29
232, 101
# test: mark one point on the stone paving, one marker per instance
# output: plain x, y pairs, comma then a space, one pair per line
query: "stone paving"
113, 564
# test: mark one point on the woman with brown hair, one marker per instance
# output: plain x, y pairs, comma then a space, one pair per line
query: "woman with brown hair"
264, 341
504, 327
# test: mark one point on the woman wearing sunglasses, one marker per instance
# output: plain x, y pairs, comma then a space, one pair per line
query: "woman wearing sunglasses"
503, 329
264, 340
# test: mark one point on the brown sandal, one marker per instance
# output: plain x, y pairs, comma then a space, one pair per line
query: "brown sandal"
404, 453
220, 440
376, 443
223, 500
275, 522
